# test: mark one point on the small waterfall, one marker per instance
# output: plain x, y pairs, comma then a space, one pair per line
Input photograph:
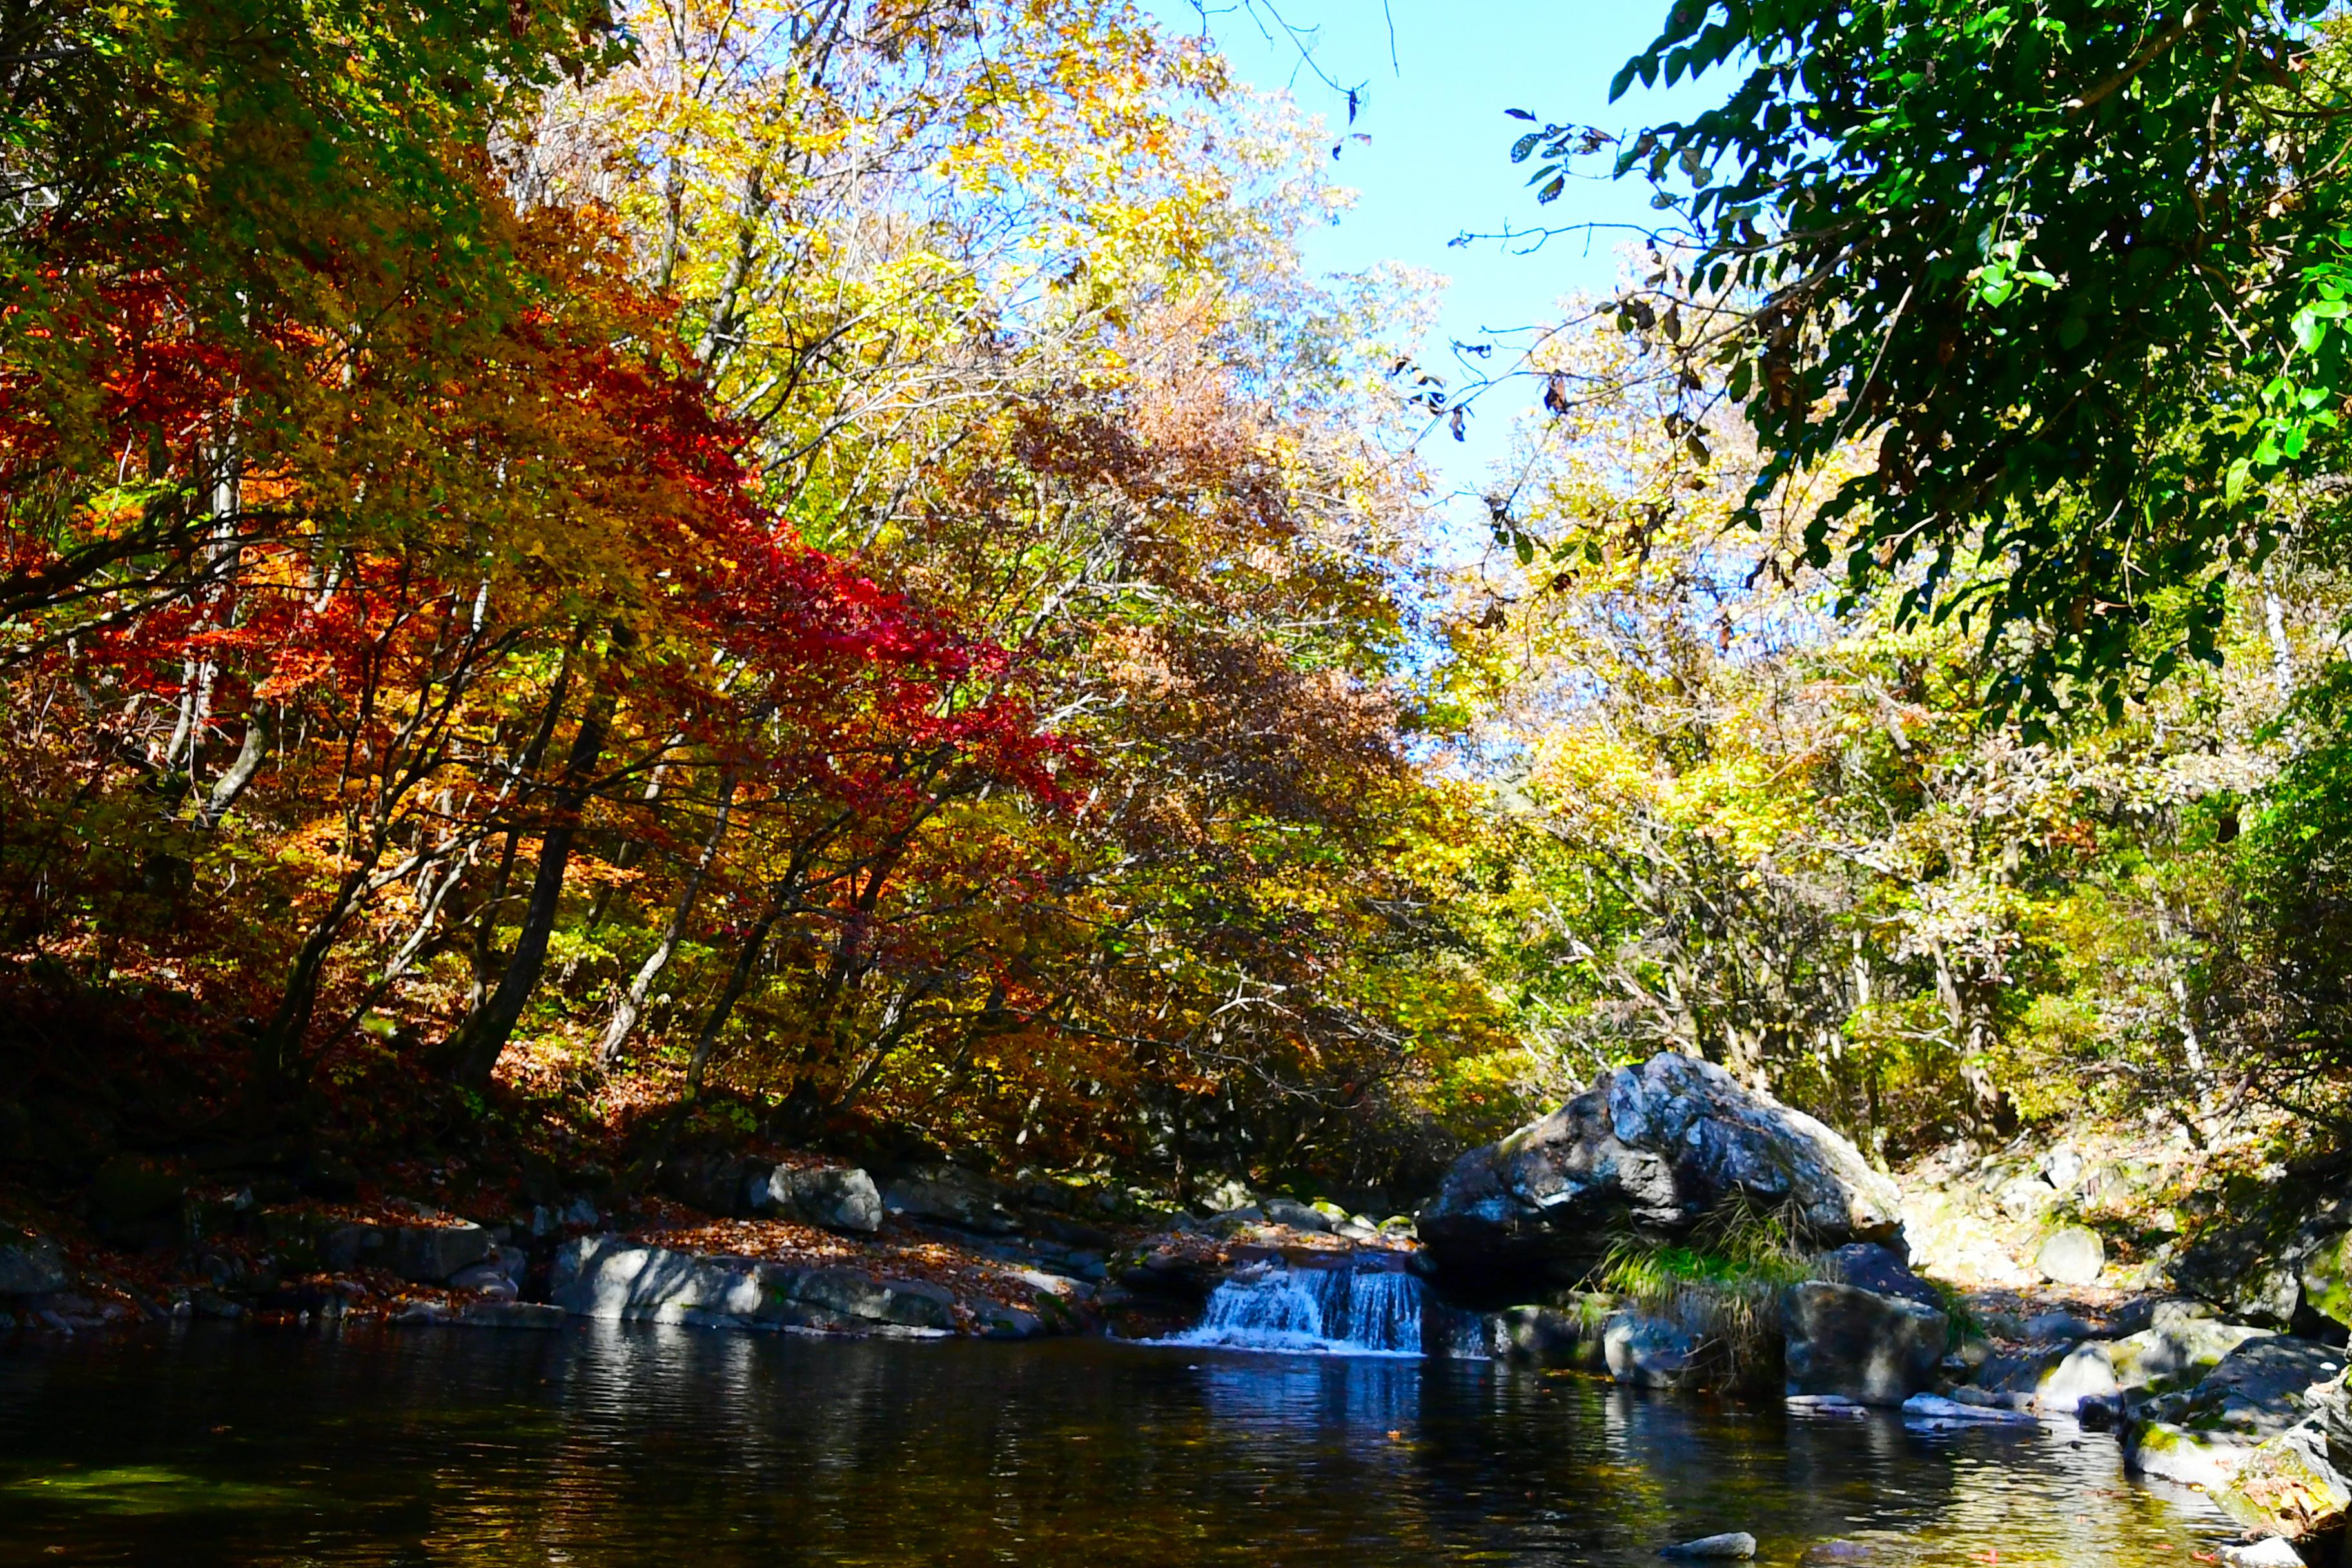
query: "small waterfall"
1328, 1311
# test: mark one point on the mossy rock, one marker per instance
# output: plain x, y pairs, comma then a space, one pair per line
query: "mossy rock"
2285, 1486
2326, 1277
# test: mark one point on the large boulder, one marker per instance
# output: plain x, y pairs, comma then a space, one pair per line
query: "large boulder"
1653, 1150
2070, 1255
1858, 1344
612, 1278
1571, 1334
2179, 1348
838, 1199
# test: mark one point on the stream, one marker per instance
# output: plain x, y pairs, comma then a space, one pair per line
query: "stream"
602, 1444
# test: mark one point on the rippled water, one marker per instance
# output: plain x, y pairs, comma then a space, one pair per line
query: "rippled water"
640, 1447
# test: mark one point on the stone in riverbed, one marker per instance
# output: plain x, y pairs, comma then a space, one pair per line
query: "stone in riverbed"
2267, 1433
1569, 1335
1858, 1344
2056, 1328
2268, 1553
1653, 1148
2071, 1255
537, 1315
1876, 1268
1934, 1410
1296, 1215
1735, 1545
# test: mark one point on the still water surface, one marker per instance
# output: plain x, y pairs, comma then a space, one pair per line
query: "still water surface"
601, 1445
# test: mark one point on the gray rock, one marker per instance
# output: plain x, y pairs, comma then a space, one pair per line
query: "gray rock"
1543, 1335
1006, 1322
1876, 1268
1296, 1215
842, 1198
487, 1280
2026, 1197
2056, 1328
1651, 1353
1734, 1546
2071, 1255
2082, 1372
1930, 1409
1858, 1344
2268, 1553
951, 1196
2244, 1272
2258, 1390
2267, 1434
426, 1254
1653, 1148
539, 1315
2177, 1350
612, 1278
30, 1264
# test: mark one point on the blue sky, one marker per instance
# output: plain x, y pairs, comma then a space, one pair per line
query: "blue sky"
1437, 162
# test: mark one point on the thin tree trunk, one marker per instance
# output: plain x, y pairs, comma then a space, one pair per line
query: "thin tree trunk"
631, 1005
240, 771
483, 1036
738, 980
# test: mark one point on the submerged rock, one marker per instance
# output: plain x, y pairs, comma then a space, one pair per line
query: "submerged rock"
1859, 1345
1930, 1409
1655, 1149
1734, 1546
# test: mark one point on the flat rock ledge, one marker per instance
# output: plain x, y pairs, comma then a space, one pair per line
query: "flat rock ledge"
616, 1279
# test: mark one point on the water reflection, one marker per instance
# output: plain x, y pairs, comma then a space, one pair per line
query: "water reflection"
601, 1445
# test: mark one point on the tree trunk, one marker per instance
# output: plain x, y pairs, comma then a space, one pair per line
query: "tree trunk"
479, 1041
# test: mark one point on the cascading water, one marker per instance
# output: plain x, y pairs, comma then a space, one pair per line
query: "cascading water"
1330, 1312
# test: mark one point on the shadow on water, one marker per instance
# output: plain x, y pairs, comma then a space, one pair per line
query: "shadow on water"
607, 1447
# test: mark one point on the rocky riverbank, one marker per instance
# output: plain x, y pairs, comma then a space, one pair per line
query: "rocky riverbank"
1668, 1229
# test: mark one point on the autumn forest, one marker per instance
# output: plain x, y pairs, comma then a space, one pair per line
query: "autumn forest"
578, 580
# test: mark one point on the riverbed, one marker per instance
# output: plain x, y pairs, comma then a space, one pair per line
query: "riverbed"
602, 1444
